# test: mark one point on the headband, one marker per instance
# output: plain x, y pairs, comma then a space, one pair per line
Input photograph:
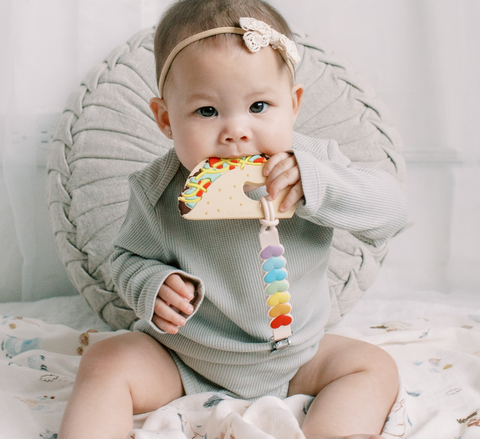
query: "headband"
256, 34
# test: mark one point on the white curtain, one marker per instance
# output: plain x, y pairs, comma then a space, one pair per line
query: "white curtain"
46, 48
421, 56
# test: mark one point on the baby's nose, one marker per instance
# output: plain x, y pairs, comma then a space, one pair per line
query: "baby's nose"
236, 138
235, 131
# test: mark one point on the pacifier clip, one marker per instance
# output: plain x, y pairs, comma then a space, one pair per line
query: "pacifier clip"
275, 278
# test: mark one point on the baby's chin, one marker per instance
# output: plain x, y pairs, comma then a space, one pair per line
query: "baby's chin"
188, 165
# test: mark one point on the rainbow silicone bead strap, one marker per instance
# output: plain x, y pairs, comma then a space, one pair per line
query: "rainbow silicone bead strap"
275, 278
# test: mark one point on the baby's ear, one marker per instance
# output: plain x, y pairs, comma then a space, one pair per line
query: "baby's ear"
160, 112
297, 94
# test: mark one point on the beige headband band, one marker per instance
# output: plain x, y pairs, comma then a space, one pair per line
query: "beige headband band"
256, 34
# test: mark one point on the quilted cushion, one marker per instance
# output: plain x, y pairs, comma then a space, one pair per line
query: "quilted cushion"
107, 132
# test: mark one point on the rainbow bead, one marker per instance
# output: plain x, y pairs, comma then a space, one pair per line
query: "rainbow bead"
273, 264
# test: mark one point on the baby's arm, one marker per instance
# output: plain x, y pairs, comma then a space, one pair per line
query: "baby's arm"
369, 203
158, 292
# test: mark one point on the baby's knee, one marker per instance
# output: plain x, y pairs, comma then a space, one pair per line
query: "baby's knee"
111, 356
383, 369
382, 362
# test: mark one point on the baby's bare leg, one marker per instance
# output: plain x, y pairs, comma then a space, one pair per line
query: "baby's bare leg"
120, 376
355, 385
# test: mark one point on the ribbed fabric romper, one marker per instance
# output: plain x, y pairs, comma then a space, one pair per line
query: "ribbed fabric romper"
225, 344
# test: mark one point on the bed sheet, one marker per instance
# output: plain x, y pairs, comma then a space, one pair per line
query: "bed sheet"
435, 339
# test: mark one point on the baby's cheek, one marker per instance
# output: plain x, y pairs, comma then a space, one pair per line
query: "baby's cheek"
188, 157
282, 140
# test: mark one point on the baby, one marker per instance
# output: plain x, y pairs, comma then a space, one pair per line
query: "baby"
226, 81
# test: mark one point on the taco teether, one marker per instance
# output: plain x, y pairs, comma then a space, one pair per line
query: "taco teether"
215, 190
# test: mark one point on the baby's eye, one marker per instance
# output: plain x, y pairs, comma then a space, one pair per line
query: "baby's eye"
258, 107
207, 111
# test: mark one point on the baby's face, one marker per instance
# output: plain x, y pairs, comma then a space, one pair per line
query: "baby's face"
224, 101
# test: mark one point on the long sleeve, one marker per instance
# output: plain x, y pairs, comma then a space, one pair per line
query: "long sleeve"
137, 267
368, 203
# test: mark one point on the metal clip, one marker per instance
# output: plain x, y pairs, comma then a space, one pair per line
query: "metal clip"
280, 344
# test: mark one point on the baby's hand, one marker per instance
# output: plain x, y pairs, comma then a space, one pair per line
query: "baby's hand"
282, 171
172, 299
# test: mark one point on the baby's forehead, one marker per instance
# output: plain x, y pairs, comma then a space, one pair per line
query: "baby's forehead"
229, 44
228, 47
256, 35
212, 66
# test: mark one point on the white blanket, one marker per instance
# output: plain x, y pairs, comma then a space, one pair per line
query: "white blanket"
438, 359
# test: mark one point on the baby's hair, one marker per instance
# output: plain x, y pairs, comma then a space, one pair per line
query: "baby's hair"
189, 17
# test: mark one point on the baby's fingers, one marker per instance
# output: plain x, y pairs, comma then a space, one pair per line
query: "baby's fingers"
167, 312
165, 325
293, 195
174, 300
184, 288
274, 160
280, 178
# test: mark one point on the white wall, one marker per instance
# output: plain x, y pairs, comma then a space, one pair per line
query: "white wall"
421, 56
423, 59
